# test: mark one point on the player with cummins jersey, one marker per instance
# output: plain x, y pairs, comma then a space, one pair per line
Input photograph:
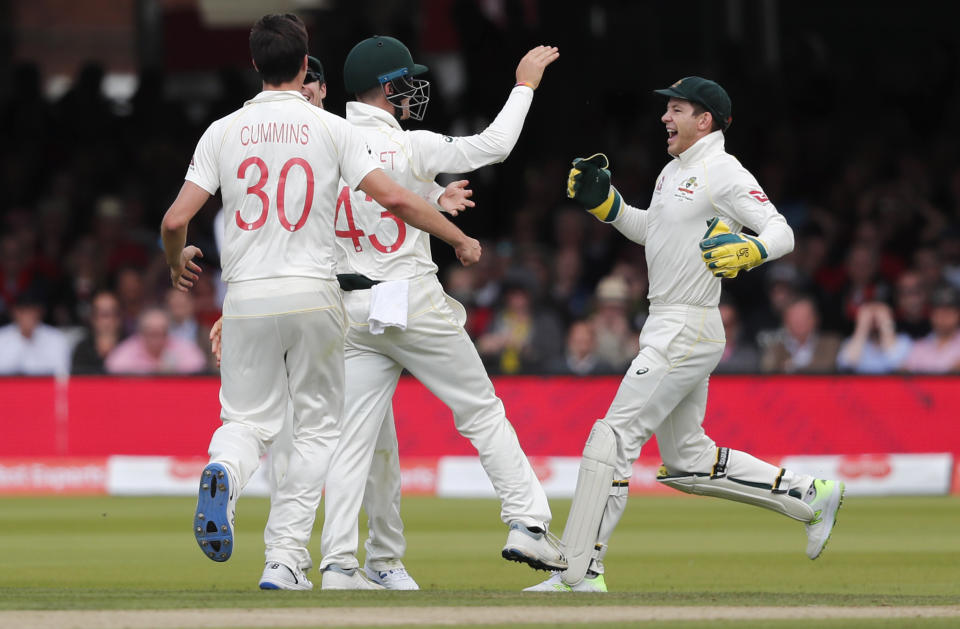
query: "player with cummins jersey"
278, 162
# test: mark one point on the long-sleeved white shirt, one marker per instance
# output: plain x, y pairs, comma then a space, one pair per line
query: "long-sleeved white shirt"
703, 182
379, 245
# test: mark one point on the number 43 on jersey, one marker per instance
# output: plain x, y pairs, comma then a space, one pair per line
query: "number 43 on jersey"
355, 235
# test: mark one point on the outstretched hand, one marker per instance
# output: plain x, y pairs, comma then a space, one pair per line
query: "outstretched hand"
531, 67
456, 197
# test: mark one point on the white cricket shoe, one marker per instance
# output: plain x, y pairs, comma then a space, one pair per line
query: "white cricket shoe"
390, 574
534, 547
825, 498
277, 576
555, 584
216, 511
336, 578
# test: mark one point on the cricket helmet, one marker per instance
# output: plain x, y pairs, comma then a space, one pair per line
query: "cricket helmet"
379, 60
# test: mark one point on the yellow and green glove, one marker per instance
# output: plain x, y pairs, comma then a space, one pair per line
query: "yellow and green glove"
726, 254
588, 183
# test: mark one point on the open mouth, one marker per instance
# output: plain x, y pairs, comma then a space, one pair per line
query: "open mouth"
671, 134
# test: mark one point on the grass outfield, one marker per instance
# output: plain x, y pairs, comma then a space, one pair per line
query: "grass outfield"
139, 553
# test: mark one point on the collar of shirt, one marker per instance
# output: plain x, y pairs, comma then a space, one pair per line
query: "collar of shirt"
275, 95
710, 144
364, 115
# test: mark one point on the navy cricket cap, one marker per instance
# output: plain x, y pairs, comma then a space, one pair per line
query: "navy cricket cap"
705, 92
314, 71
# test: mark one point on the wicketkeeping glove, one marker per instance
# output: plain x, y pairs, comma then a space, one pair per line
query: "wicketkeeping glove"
589, 185
726, 254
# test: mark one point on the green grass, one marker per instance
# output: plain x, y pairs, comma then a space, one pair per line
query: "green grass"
131, 553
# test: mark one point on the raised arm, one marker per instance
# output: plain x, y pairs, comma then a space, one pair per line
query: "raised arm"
445, 154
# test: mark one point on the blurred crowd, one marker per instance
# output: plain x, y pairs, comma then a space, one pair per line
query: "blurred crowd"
872, 192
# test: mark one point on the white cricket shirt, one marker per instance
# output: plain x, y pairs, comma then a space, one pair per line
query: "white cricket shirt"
376, 243
703, 182
278, 162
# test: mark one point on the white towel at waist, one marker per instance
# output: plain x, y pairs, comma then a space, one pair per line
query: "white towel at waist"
388, 305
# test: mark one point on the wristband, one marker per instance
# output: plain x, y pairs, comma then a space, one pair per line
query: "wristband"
527, 83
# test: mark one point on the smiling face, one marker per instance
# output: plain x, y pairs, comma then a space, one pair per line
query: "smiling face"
684, 125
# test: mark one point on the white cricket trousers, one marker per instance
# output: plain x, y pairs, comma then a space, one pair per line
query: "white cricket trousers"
664, 392
438, 352
282, 339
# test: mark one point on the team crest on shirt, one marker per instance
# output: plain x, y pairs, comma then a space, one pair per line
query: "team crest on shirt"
686, 189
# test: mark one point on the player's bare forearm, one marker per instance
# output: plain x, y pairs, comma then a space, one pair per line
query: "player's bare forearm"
173, 234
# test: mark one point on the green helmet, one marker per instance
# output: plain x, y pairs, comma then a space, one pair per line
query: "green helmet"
379, 60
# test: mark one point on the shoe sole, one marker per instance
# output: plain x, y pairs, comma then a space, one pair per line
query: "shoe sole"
210, 522
268, 585
512, 554
843, 490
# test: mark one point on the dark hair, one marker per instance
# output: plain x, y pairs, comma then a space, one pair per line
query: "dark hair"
698, 109
278, 44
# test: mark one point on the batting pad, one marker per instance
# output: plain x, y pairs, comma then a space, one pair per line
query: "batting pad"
739, 491
594, 484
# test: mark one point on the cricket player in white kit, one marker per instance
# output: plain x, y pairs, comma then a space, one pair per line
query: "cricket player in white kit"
278, 162
399, 317
702, 199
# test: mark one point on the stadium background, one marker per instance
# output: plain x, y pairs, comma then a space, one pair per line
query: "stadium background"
846, 112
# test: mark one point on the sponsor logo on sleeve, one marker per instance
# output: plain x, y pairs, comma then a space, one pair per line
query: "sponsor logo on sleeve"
759, 196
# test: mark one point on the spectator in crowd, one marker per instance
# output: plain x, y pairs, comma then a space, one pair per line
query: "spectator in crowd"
104, 333
28, 346
799, 346
459, 282
567, 292
939, 351
183, 322
949, 254
740, 355
130, 289
15, 274
617, 342
912, 312
875, 346
782, 284
864, 284
580, 357
113, 236
522, 337
152, 350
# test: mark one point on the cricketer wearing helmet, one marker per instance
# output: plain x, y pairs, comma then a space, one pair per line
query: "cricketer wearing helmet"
691, 234
399, 317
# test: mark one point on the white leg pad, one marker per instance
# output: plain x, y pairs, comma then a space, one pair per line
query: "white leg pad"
731, 489
594, 484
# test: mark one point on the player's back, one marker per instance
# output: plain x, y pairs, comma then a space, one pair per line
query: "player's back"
277, 161
371, 240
